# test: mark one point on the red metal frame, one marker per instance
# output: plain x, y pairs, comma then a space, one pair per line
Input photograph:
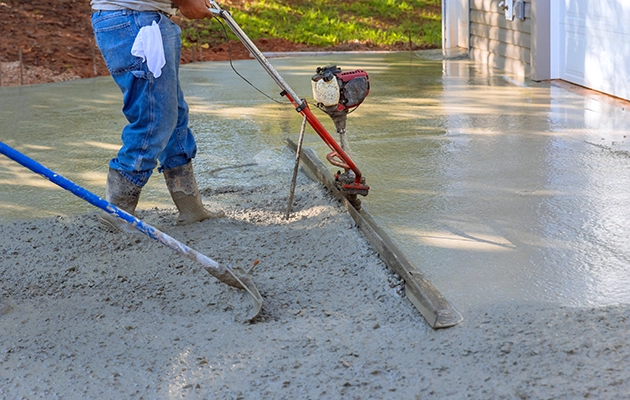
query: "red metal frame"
301, 105
344, 161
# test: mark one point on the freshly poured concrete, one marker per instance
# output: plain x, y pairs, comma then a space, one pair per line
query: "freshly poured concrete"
509, 199
496, 190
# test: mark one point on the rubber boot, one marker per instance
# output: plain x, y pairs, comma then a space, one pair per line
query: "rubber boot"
182, 185
123, 194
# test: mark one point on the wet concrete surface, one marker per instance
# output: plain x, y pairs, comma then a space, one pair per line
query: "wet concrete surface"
498, 190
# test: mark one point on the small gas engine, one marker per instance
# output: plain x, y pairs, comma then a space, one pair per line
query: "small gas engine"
338, 94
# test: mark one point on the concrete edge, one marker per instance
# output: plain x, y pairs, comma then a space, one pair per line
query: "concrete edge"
435, 309
277, 54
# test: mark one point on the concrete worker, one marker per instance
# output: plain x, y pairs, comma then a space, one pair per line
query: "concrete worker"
141, 47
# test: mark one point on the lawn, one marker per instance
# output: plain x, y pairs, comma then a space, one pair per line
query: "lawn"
325, 23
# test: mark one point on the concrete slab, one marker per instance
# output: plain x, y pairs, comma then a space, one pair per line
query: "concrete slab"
499, 190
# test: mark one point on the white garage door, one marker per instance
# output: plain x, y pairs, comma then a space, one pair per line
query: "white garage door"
591, 46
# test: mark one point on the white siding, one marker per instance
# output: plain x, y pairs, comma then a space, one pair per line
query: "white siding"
499, 42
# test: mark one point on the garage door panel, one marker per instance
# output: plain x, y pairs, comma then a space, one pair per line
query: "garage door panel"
595, 44
598, 10
574, 59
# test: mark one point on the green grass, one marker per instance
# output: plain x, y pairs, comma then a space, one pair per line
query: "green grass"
324, 23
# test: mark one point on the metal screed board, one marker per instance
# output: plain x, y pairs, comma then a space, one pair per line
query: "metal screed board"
437, 311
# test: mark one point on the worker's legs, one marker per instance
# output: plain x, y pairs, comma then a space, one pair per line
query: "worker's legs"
155, 109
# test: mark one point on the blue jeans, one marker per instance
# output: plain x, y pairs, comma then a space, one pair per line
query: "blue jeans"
154, 107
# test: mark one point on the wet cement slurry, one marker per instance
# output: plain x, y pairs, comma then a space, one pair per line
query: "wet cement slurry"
498, 190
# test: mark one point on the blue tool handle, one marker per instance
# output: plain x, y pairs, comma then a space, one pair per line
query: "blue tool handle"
211, 266
225, 274
74, 188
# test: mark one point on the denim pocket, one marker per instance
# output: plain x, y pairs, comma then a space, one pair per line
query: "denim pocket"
114, 37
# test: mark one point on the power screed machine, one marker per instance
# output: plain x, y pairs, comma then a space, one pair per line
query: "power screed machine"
336, 93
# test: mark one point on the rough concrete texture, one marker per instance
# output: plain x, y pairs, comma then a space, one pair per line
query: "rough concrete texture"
92, 314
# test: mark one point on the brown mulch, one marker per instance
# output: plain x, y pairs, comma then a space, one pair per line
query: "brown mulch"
54, 41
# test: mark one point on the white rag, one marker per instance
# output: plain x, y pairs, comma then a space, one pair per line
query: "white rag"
148, 46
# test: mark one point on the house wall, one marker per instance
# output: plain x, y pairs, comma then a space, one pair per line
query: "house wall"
502, 43
455, 24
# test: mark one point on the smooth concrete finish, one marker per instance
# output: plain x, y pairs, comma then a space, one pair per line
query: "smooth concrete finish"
496, 189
